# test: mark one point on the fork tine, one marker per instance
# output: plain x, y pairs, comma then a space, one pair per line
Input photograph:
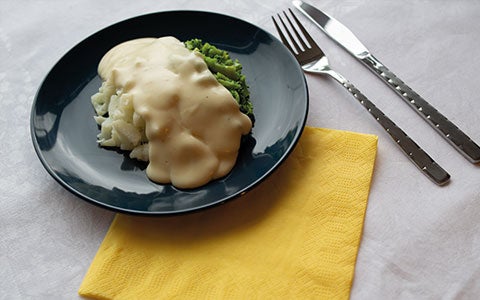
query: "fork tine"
282, 36
309, 38
293, 43
299, 36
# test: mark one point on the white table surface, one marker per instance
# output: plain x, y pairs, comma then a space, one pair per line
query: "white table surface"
420, 241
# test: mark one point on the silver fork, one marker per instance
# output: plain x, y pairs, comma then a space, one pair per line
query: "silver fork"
313, 60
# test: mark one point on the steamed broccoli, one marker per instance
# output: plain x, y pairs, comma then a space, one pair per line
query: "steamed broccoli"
228, 72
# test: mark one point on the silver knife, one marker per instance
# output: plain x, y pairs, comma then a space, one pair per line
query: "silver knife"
345, 38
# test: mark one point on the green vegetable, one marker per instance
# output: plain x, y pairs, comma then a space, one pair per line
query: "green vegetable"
227, 71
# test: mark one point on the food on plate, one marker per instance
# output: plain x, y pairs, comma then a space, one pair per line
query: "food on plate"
159, 100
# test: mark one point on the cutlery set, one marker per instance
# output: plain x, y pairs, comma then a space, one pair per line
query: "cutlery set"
313, 60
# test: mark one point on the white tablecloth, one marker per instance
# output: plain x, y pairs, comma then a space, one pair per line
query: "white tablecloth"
420, 241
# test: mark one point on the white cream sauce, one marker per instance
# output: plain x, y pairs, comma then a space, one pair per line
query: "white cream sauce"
193, 124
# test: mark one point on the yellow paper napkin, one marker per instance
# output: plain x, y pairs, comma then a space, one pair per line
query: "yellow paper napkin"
296, 236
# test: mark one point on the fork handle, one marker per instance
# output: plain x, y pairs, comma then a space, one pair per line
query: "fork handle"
416, 154
459, 140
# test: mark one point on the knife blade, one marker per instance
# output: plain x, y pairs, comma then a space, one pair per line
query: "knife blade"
345, 38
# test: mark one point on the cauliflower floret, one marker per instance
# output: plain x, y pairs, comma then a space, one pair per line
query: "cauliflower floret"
120, 125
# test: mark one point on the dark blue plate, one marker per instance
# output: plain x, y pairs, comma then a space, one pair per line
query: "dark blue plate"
64, 132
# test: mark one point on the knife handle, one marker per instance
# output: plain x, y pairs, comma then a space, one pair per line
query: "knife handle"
446, 128
416, 154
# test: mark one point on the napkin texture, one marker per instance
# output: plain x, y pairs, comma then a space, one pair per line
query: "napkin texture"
296, 236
